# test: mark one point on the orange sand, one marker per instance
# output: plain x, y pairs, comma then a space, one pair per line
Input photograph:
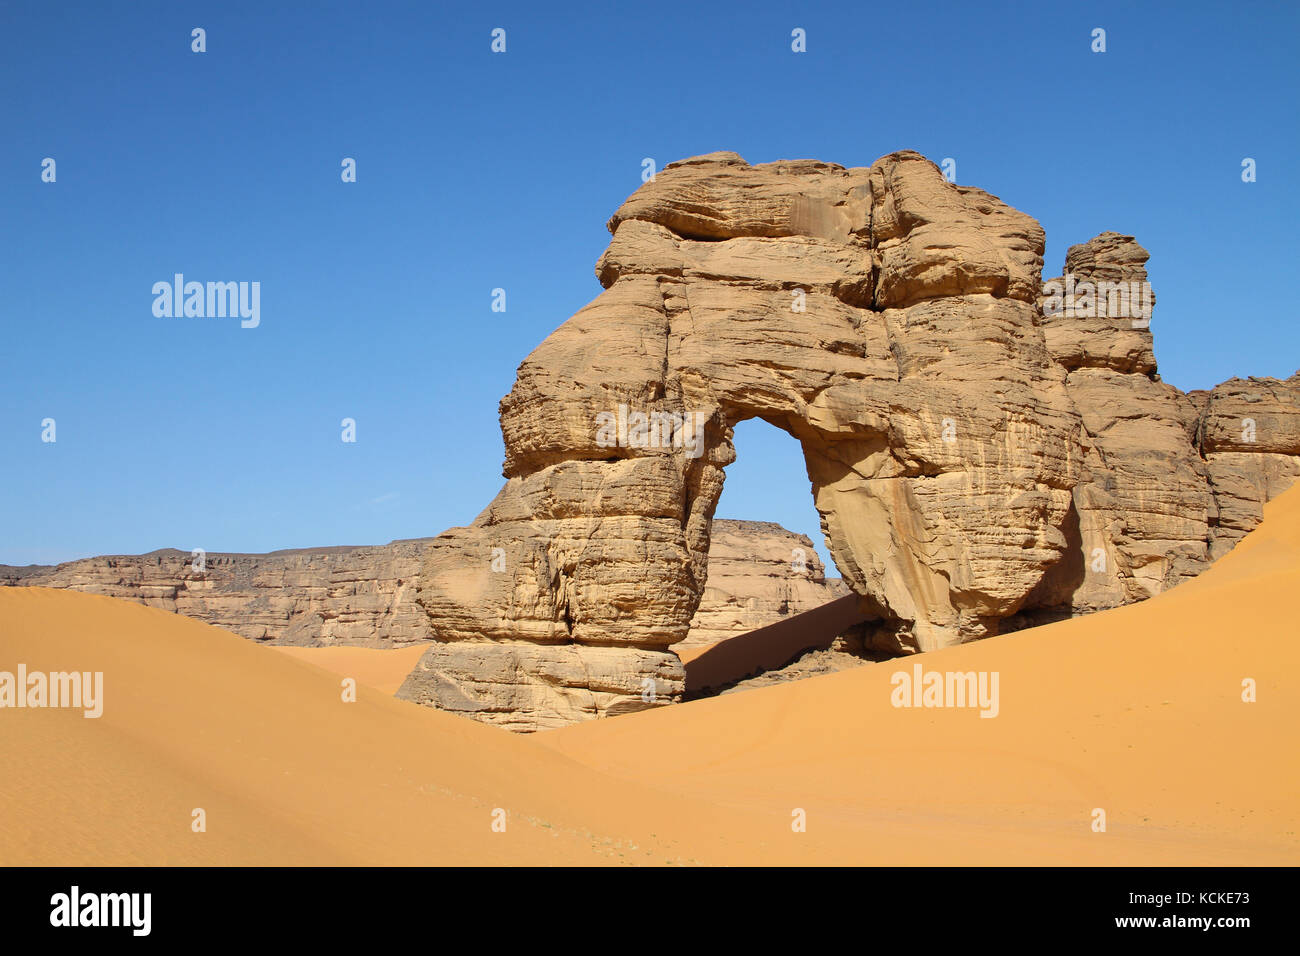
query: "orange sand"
382, 669
1137, 711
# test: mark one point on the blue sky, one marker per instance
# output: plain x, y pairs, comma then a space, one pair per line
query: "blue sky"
478, 170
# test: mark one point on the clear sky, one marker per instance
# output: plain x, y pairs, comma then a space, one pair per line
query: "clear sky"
478, 171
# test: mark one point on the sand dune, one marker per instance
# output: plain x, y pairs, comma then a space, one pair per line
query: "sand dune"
1137, 711
382, 669
770, 647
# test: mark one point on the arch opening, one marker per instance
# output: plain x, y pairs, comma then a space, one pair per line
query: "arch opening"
773, 605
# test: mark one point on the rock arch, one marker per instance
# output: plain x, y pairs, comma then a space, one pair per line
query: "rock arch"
980, 462
883, 316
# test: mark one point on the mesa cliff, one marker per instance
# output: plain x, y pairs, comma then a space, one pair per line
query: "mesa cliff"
365, 596
983, 455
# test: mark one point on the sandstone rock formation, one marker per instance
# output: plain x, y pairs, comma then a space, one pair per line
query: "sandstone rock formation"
977, 463
1171, 480
1248, 431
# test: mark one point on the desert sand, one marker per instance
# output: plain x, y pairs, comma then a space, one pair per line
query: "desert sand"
1137, 711
379, 668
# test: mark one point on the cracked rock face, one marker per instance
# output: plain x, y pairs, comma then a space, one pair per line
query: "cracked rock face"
972, 458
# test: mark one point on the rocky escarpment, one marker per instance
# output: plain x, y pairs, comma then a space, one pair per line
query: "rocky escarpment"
365, 596
976, 461
342, 595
